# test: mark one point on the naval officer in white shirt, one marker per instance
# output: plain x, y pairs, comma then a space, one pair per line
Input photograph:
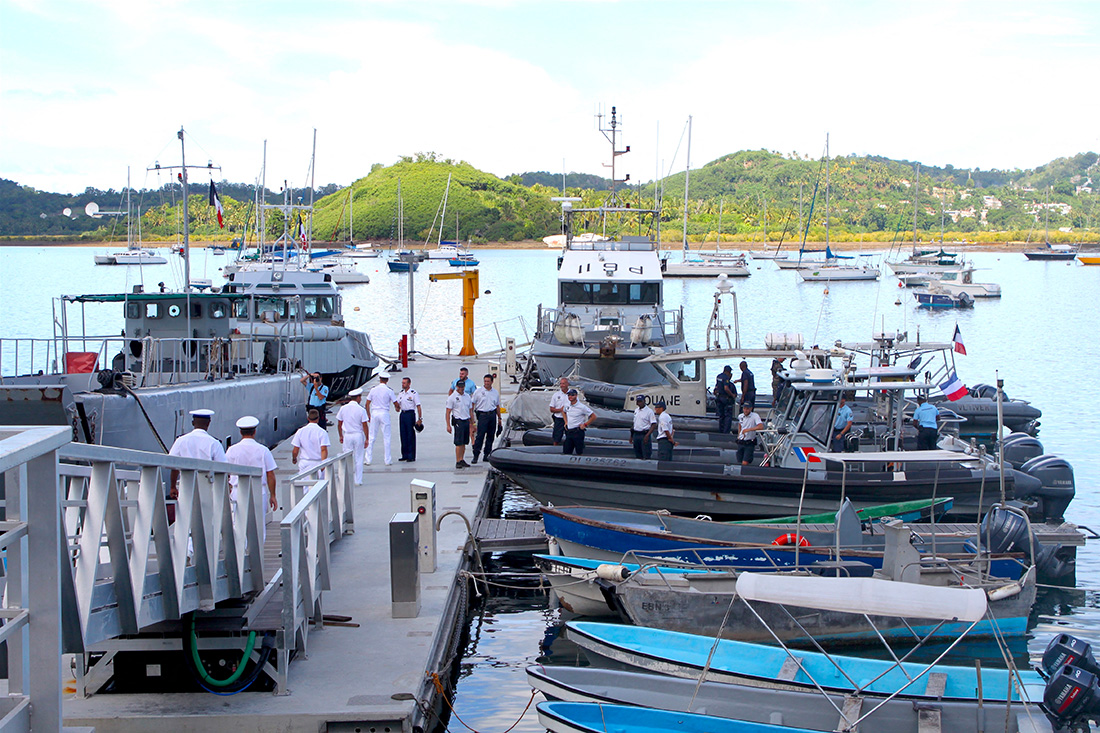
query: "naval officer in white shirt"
248, 452
379, 402
352, 423
196, 444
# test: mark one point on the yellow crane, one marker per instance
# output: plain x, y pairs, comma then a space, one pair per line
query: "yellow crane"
469, 297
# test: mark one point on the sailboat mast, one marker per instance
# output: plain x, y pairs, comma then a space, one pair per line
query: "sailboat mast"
1046, 218
687, 180
186, 238
765, 221
129, 218
721, 202
828, 163
916, 198
312, 178
351, 213
443, 216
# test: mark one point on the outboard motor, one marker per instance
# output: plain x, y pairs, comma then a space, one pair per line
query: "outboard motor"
1057, 486
1057, 564
1019, 448
1072, 699
1064, 649
1003, 531
987, 391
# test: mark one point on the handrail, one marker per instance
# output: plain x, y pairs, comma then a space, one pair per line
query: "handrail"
31, 551
318, 518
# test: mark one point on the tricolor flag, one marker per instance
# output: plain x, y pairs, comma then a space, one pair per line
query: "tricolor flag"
217, 204
960, 347
807, 454
953, 388
301, 231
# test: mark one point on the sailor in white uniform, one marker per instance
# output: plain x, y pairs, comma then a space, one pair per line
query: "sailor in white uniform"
248, 452
379, 403
310, 443
196, 444
352, 423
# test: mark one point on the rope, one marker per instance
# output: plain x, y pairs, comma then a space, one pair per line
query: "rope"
441, 691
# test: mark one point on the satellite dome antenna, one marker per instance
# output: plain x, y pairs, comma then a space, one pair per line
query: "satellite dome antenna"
67, 212
92, 209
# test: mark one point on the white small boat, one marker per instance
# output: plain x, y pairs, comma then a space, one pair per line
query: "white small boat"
342, 270
919, 279
962, 281
705, 267
448, 251
834, 273
768, 255
138, 256
106, 259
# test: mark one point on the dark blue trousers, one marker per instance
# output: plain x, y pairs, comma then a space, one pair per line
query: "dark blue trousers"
405, 422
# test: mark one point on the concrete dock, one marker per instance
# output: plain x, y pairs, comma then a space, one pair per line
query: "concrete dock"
373, 677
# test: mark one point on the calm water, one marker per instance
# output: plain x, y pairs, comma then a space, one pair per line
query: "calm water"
1040, 336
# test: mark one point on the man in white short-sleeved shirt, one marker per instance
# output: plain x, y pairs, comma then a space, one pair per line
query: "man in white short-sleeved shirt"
459, 411
196, 444
558, 402
248, 452
310, 443
352, 424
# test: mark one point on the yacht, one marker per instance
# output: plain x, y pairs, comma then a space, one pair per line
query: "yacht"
610, 312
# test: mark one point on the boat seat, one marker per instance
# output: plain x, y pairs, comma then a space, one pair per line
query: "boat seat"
849, 714
937, 682
789, 669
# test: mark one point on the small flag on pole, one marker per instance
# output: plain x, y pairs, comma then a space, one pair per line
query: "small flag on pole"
953, 389
217, 204
960, 347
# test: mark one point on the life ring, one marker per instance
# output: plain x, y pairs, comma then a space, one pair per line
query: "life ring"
790, 539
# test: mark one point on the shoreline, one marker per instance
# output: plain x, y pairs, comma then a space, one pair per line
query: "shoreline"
667, 246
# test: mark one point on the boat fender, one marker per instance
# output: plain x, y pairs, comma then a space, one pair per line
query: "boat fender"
614, 573
1005, 591
790, 539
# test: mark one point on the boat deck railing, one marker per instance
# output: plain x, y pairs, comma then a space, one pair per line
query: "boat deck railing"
599, 322
152, 362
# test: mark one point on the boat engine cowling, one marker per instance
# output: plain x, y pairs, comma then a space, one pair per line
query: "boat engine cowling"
1064, 649
1072, 699
1003, 531
1019, 448
1057, 486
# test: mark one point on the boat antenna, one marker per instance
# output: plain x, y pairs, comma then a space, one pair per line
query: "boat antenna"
182, 175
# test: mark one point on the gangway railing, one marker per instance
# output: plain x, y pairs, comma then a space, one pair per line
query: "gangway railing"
322, 513
31, 577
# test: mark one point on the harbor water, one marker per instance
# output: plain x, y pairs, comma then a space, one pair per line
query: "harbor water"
1037, 338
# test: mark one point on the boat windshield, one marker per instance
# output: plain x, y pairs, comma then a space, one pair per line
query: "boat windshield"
818, 421
610, 293
317, 307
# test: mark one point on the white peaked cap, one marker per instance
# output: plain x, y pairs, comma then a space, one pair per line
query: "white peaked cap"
355, 392
248, 421
202, 413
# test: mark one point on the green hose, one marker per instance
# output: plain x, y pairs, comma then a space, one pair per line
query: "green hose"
202, 669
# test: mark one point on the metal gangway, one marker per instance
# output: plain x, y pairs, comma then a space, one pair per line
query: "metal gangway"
92, 558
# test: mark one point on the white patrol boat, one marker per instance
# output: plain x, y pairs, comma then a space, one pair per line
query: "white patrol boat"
610, 312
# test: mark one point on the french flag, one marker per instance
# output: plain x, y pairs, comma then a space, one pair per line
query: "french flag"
960, 347
953, 388
217, 204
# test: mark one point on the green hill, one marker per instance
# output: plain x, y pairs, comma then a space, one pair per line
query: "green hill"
872, 199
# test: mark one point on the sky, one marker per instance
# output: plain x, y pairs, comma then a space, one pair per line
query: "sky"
89, 88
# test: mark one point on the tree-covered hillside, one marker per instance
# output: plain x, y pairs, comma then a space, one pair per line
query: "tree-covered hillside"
871, 199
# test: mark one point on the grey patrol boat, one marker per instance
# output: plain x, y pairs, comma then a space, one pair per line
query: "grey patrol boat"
239, 350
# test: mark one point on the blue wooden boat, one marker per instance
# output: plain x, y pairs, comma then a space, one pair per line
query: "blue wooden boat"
463, 262
586, 717
610, 534
402, 266
744, 663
